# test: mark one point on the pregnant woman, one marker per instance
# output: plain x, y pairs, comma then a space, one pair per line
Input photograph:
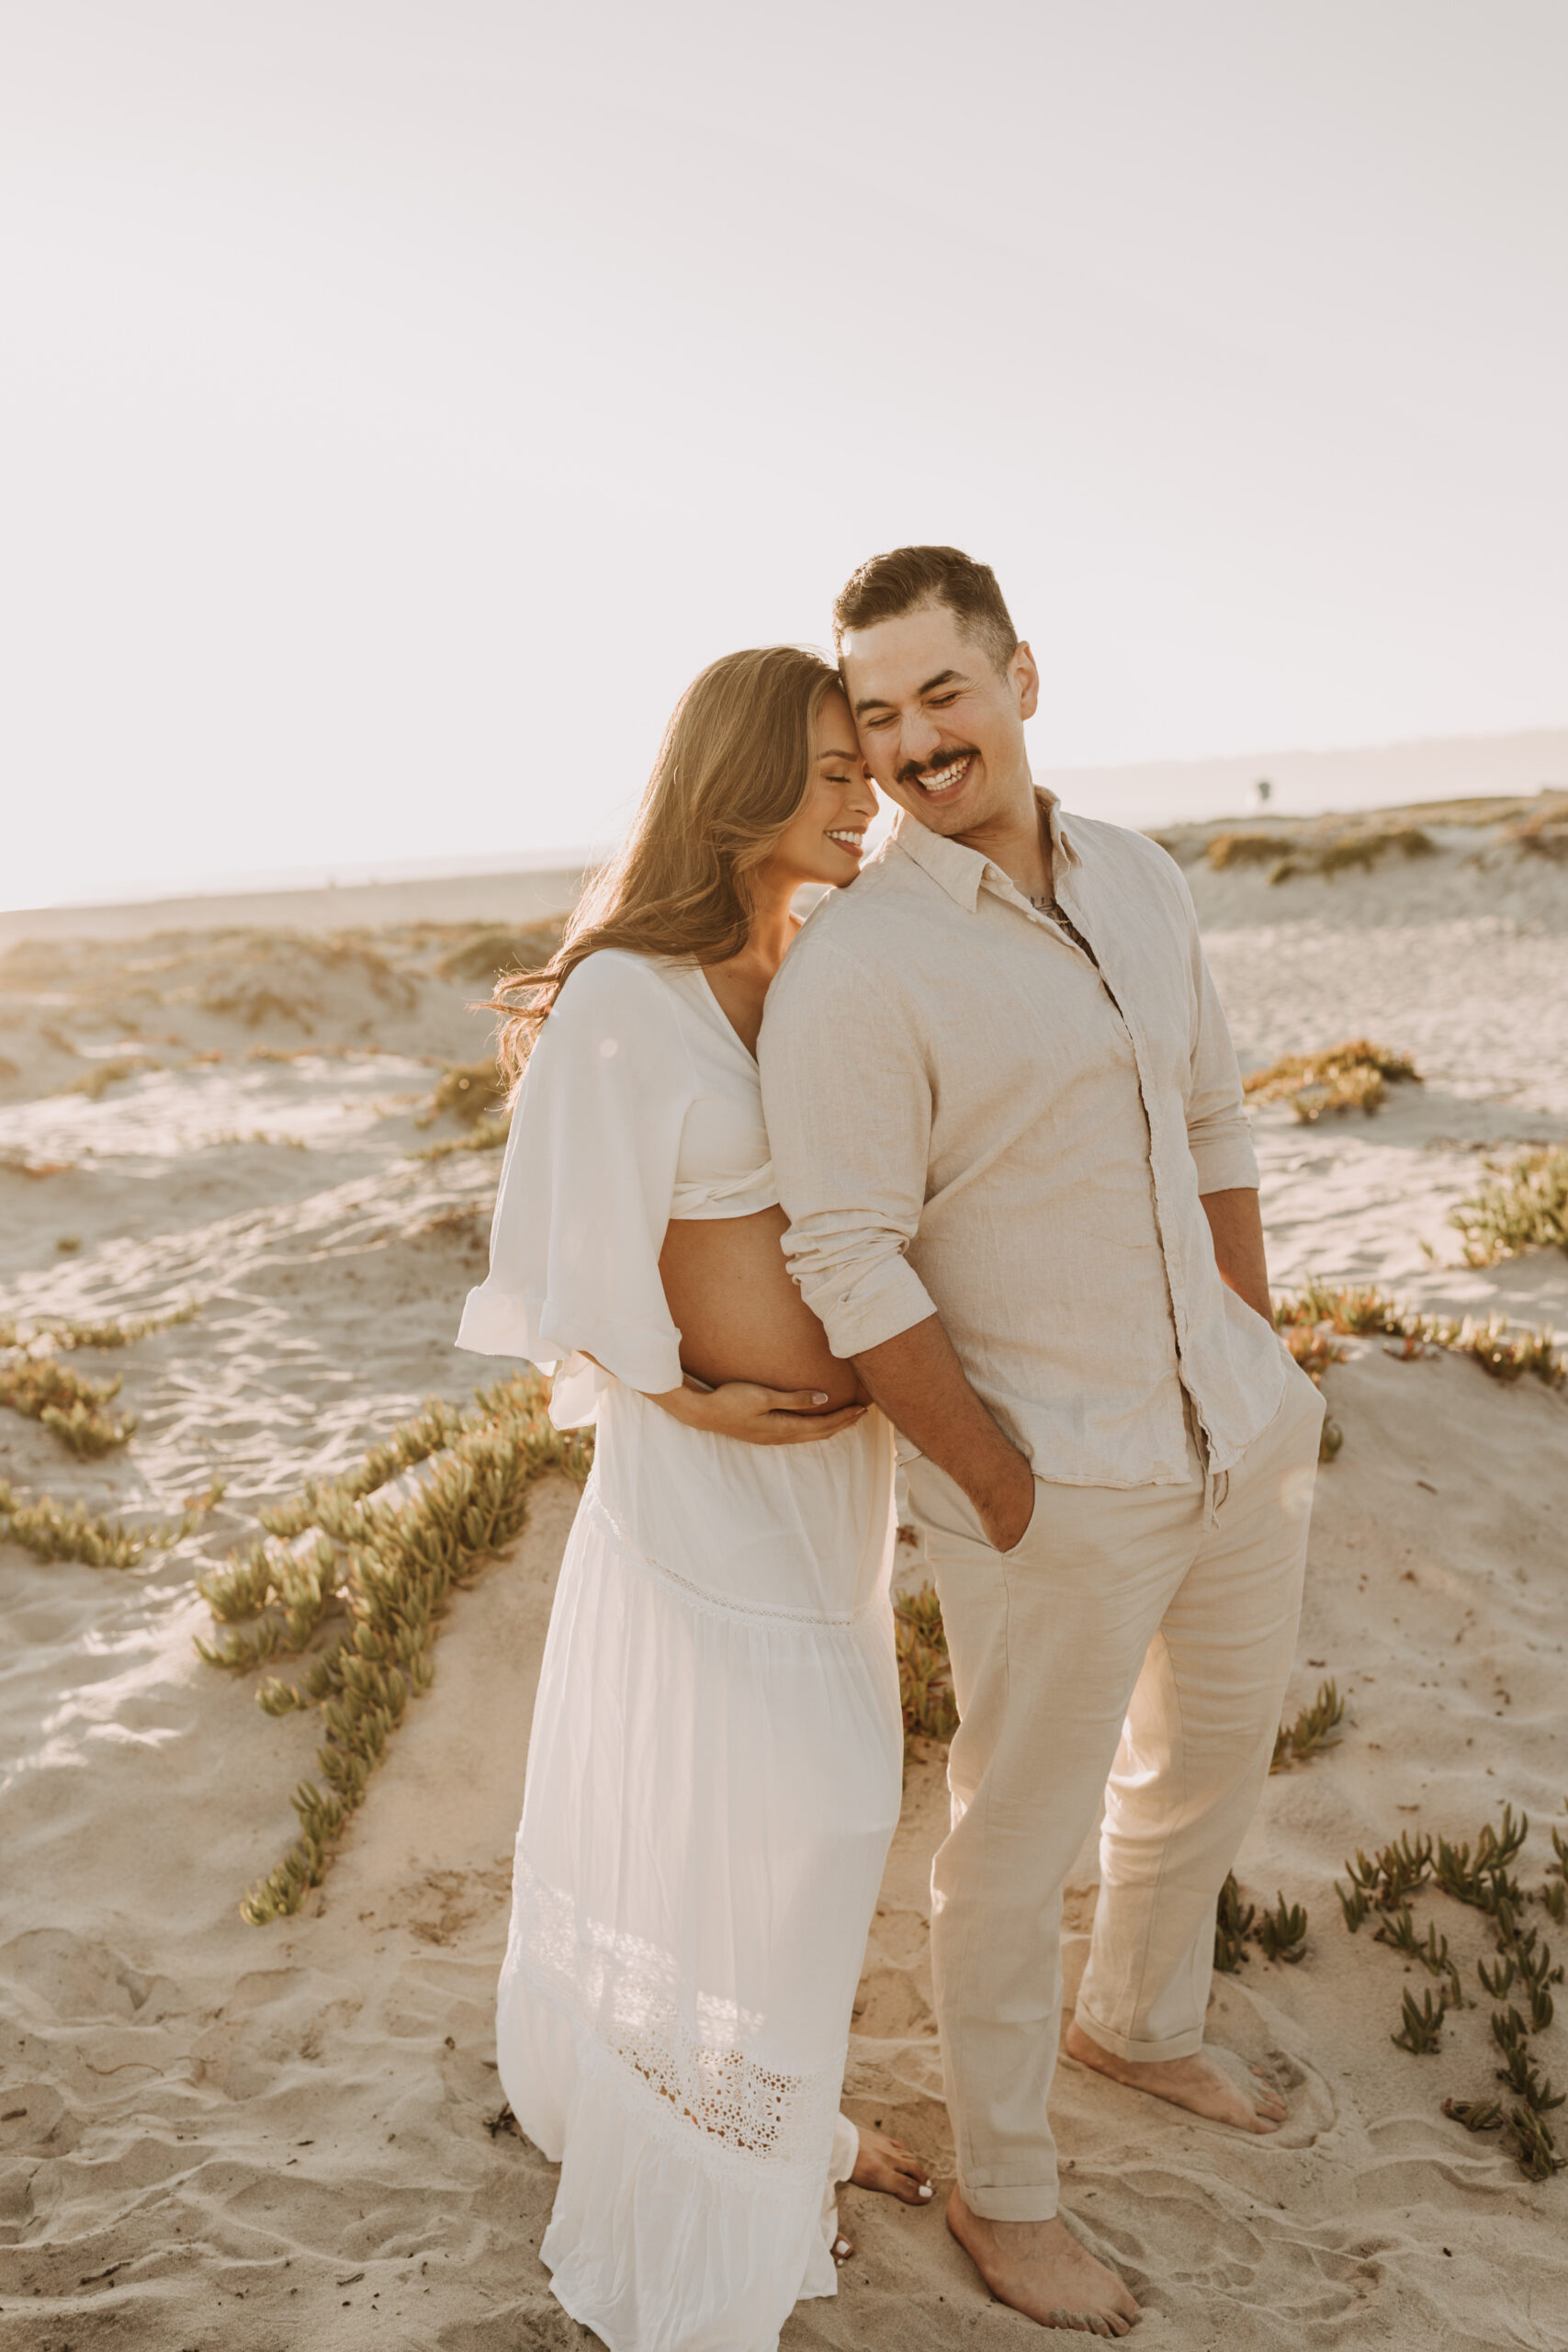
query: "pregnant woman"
714, 1766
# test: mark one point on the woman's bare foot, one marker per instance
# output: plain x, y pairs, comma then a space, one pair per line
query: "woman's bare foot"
1039, 2268
888, 2165
1199, 2083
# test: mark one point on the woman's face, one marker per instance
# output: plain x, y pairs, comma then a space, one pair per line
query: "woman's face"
823, 842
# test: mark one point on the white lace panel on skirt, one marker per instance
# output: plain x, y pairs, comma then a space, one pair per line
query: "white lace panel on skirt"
704, 2092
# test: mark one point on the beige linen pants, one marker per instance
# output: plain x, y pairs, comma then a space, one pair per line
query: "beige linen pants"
1136, 1641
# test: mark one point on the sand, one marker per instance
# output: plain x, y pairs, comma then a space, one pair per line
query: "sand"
216, 2134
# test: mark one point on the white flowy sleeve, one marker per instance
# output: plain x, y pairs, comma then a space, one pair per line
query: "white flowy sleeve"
586, 1184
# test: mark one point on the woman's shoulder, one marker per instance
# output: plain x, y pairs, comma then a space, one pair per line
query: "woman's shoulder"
618, 1000
613, 977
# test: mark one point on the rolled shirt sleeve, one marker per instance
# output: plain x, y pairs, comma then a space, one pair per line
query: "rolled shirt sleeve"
1218, 1130
847, 1098
586, 1186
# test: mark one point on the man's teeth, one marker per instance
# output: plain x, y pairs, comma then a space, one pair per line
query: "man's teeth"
938, 779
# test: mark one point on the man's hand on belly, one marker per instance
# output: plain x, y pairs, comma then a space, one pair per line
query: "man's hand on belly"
921, 1386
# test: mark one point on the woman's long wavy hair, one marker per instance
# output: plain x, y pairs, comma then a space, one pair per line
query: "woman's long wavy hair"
732, 773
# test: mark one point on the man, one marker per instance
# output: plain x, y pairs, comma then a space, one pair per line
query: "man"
1009, 1133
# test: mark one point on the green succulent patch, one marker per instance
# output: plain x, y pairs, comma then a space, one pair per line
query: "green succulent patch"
381, 1573
43, 1389
50, 1532
925, 1673
1310, 1319
1524, 1207
1315, 1728
1483, 1878
1279, 1934
1355, 1076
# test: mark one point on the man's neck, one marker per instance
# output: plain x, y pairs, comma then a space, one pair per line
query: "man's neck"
1018, 840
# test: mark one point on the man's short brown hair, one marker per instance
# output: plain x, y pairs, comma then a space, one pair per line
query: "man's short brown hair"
888, 587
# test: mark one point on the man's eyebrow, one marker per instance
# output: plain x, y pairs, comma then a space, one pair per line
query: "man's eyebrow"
943, 678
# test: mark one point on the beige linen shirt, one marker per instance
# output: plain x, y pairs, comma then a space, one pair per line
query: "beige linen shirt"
968, 1117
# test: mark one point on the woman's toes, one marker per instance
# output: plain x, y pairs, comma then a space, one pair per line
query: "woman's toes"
888, 2167
842, 2250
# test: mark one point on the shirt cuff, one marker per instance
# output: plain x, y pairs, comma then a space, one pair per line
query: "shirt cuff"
889, 1298
1225, 1163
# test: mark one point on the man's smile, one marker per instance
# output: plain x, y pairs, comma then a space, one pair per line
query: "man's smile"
938, 781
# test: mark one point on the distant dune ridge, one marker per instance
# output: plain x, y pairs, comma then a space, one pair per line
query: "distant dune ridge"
1148, 794
247, 1160
1307, 783
527, 894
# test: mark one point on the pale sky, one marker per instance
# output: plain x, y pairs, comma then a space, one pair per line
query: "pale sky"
403, 398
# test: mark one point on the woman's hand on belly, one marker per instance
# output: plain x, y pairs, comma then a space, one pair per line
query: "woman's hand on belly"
758, 1416
740, 1318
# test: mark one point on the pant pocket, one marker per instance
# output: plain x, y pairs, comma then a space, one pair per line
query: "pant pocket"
944, 1509
941, 1504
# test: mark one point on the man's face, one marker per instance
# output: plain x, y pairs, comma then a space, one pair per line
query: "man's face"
941, 727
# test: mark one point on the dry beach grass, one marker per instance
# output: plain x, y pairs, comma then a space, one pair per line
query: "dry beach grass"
290, 2132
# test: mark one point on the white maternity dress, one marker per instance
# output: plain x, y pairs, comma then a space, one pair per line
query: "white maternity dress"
715, 1764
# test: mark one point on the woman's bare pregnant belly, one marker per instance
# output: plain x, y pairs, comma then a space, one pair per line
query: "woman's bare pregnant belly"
738, 1314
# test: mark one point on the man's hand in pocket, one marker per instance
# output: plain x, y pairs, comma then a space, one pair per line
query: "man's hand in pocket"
1007, 1509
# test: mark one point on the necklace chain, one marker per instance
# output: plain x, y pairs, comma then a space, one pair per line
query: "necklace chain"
1052, 907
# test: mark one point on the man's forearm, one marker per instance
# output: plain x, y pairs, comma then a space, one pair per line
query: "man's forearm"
1237, 1223
921, 1386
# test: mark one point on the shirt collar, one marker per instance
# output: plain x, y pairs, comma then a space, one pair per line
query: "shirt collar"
960, 870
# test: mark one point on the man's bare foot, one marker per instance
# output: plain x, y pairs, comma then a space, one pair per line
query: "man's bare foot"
1199, 2083
1039, 2268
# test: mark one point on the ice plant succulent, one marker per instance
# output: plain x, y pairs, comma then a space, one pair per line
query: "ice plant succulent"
925, 1677
1315, 1728
43, 1389
49, 1532
1352, 1076
1481, 1877
386, 1568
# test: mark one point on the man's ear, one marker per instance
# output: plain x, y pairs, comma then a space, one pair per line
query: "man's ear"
1025, 679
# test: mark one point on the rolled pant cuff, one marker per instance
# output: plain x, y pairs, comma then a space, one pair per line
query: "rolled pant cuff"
1129, 2048
1035, 2202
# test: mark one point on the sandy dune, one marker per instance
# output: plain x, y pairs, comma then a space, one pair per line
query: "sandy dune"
211, 2133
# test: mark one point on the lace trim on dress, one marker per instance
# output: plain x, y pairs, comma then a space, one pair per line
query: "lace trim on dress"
692, 2084
716, 1604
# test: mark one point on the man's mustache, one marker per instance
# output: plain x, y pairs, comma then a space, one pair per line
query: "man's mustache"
915, 771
